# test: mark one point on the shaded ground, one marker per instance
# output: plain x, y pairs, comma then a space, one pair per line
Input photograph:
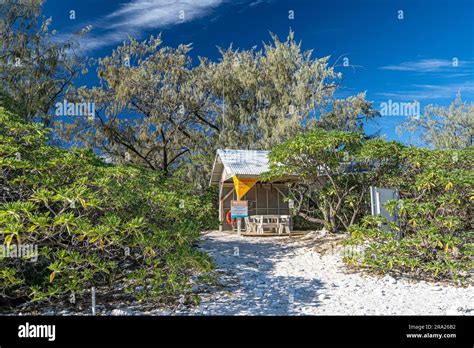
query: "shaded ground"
290, 276
247, 271
282, 276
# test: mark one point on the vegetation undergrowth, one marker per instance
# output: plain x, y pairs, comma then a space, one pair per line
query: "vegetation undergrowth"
93, 224
432, 236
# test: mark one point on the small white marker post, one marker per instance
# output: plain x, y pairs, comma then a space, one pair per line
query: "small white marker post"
93, 300
239, 226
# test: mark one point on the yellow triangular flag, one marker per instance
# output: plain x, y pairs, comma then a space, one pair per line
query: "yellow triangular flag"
243, 185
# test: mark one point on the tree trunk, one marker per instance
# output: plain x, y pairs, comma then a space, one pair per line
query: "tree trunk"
311, 219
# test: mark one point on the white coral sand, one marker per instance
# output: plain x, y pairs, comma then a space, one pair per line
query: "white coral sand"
286, 276
282, 276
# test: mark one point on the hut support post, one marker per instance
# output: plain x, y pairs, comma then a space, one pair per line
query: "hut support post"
221, 207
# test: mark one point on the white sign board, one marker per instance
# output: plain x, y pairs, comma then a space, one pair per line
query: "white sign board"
239, 209
379, 196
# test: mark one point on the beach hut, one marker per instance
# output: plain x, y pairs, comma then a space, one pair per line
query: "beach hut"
238, 175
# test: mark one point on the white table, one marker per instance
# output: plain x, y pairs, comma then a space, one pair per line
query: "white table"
278, 223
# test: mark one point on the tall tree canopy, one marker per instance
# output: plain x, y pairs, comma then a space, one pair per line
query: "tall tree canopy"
271, 94
155, 108
149, 106
445, 127
35, 67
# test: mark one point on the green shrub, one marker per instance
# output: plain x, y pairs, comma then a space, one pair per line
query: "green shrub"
301, 224
335, 170
94, 224
434, 237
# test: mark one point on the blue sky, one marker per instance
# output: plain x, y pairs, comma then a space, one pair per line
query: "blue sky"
426, 56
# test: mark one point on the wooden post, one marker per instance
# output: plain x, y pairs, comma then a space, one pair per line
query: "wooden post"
239, 226
266, 190
93, 300
256, 198
278, 201
221, 207
222, 201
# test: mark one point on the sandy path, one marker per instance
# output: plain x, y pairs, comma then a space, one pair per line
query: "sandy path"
275, 276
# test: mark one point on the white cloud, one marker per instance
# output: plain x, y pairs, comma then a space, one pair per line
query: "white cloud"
428, 91
429, 65
256, 3
144, 14
137, 16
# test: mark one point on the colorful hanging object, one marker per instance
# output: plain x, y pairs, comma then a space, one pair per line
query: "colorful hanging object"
243, 185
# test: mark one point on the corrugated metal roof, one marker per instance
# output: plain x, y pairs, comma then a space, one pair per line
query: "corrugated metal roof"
239, 162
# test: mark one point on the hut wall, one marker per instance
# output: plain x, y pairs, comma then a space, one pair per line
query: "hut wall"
264, 199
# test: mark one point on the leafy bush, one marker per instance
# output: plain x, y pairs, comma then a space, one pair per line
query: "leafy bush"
94, 224
302, 224
434, 236
335, 171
